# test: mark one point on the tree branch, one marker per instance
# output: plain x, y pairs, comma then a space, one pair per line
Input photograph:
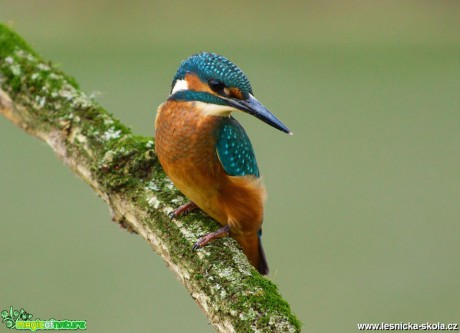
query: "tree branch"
123, 169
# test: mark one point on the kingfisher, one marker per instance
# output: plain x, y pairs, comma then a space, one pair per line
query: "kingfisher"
207, 153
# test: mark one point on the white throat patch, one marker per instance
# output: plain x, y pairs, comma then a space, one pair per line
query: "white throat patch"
214, 109
180, 85
206, 108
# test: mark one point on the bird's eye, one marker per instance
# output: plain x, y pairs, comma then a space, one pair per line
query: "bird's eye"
216, 85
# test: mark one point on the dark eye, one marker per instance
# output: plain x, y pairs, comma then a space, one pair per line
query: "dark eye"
216, 85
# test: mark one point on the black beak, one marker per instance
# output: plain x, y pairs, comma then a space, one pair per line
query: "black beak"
255, 108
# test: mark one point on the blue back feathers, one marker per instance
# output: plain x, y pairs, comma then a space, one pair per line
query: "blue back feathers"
212, 66
235, 150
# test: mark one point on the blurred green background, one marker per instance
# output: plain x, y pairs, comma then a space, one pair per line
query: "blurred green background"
363, 217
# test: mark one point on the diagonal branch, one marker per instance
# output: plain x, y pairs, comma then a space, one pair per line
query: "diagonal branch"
123, 169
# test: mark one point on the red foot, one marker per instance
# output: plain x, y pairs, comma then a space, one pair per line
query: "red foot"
183, 210
211, 236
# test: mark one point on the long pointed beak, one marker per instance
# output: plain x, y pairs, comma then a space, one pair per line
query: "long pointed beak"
255, 108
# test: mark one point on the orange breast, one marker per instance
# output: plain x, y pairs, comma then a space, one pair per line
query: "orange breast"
186, 147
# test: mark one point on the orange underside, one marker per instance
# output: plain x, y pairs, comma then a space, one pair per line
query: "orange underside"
185, 144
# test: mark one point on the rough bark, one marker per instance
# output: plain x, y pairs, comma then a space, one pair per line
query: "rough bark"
123, 169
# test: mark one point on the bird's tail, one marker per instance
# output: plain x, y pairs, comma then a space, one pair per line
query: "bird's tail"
262, 265
252, 248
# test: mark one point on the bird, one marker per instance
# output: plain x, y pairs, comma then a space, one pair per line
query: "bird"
207, 154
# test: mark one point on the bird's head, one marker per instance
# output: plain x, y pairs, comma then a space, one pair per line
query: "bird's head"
220, 86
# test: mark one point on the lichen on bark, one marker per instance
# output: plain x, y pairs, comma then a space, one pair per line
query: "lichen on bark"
123, 169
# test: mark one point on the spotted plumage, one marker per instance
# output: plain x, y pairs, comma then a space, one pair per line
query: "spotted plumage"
235, 150
207, 153
211, 66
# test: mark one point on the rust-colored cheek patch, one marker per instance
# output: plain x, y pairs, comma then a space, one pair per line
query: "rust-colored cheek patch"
194, 83
235, 92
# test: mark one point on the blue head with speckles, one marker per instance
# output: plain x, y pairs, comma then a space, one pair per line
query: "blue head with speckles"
215, 70
216, 81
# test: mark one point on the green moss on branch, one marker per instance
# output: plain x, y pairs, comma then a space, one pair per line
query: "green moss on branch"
124, 171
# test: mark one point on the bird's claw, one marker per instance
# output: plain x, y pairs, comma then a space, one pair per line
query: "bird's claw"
202, 241
182, 210
211, 236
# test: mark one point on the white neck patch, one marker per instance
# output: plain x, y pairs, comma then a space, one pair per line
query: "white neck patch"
206, 108
180, 85
214, 109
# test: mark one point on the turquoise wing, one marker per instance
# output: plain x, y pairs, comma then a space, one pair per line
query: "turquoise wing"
235, 150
